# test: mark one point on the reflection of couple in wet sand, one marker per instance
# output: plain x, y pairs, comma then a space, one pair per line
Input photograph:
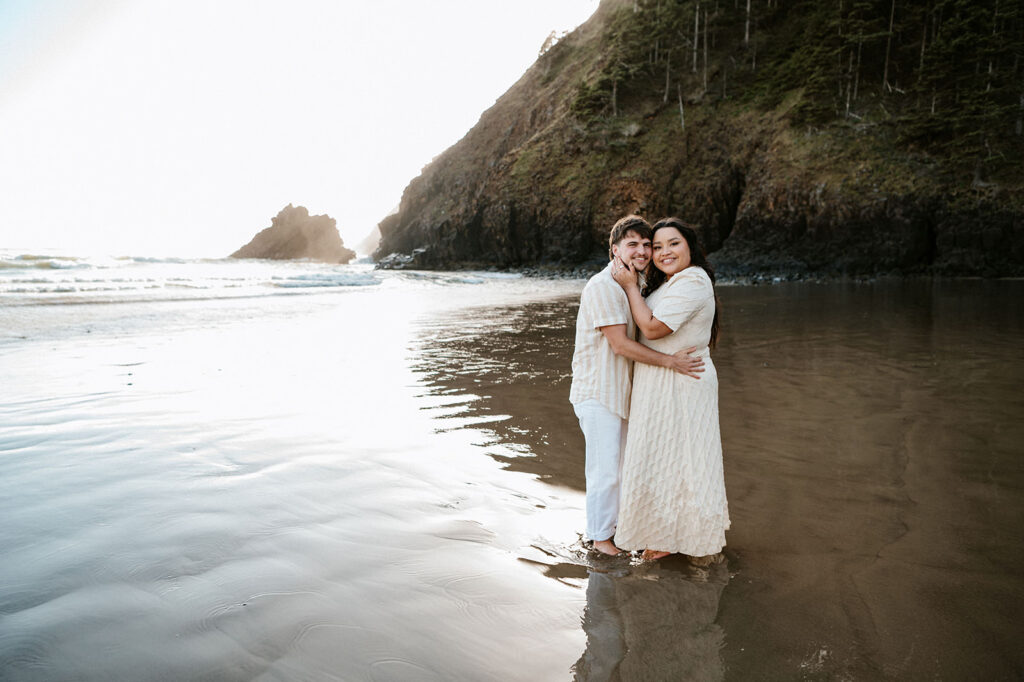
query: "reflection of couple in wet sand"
653, 623
657, 485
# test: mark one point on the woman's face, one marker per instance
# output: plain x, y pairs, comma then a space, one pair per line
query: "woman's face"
671, 252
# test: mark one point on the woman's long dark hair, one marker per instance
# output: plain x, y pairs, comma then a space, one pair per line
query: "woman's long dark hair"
655, 277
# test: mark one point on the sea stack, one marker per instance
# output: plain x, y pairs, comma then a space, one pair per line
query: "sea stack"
294, 234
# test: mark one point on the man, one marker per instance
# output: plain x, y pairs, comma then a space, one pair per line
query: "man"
602, 375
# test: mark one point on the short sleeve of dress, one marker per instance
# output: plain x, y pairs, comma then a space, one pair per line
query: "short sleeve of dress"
607, 304
684, 296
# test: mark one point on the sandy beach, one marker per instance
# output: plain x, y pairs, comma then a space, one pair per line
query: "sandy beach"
385, 483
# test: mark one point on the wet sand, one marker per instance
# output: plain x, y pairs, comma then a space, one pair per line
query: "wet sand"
872, 436
875, 436
259, 489
388, 485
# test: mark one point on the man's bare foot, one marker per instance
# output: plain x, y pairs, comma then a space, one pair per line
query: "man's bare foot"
653, 555
607, 547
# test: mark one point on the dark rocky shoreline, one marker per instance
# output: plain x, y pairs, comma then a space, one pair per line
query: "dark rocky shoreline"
724, 275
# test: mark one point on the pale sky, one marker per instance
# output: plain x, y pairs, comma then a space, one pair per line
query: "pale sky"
181, 127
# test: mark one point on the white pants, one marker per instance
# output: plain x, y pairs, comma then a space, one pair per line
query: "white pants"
605, 435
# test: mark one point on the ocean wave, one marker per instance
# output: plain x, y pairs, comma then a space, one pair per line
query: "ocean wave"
155, 261
44, 257
442, 278
326, 279
37, 262
57, 261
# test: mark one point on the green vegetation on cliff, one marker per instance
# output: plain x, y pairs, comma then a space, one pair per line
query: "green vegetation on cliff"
845, 137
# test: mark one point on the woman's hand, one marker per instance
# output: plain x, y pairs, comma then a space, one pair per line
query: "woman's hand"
624, 274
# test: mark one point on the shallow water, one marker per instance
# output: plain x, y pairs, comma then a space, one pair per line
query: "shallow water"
384, 482
872, 436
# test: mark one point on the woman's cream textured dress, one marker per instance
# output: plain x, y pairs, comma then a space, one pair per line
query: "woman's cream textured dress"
673, 487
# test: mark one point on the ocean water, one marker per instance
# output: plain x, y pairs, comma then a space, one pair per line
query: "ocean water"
238, 470
52, 278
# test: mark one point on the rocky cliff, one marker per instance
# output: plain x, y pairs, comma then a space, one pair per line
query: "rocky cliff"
834, 138
294, 234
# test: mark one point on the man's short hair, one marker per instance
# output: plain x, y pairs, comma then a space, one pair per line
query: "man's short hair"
631, 223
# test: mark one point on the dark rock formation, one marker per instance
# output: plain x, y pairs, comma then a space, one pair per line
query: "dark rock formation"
782, 162
294, 234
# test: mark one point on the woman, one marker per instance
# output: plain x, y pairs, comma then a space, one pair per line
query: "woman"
672, 495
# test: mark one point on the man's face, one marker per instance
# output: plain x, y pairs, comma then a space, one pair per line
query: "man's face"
633, 249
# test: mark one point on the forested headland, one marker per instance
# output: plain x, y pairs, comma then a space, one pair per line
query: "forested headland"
839, 138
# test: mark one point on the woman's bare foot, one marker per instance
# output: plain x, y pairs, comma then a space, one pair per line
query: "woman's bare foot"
607, 547
653, 555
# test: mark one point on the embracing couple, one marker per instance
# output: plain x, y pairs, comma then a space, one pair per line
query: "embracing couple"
657, 485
